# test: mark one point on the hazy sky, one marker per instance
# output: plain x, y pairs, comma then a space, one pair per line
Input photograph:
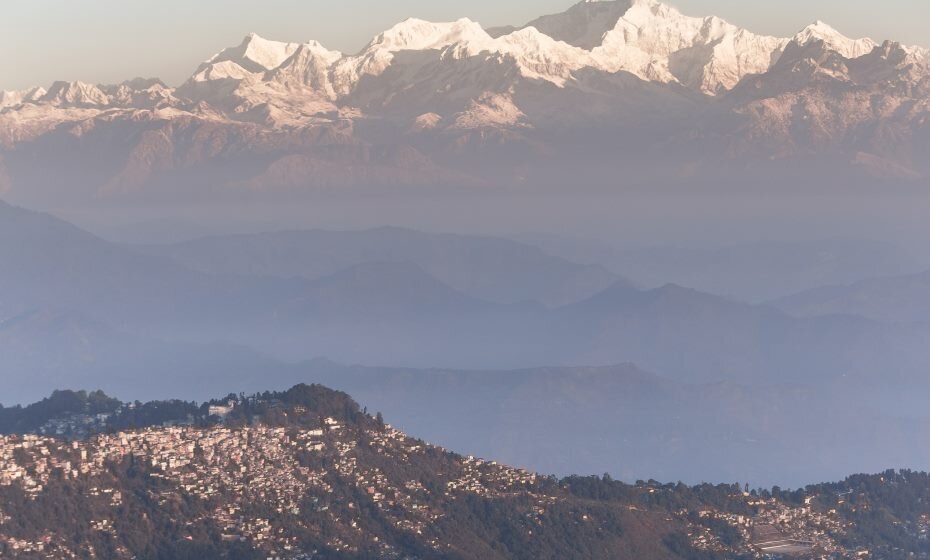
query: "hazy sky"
107, 41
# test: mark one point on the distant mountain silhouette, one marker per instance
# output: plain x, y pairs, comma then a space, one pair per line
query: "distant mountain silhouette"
488, 268
892, 299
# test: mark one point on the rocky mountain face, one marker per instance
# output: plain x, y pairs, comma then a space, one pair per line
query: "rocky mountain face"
607, 86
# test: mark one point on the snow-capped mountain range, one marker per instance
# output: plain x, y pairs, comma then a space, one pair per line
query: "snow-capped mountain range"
631, 81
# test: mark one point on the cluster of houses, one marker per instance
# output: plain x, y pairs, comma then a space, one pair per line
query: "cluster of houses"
775, 530
296, 469
238, 467
486, 478
44, 456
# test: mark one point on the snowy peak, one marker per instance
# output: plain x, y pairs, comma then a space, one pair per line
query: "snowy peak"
901, 55
411, 35
833, 39
10, 98
646, 38
140, 93
253, 56
657, 42
891, 64
626, 63
820, 52
308, 67
651, 40
75, 94
257, 54
584, 24
539, 56
33, 95
419, 35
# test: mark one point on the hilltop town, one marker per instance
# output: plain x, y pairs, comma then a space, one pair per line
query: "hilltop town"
307, 474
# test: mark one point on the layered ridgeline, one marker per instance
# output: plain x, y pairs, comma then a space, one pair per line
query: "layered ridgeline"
423, 311
607, 86
306, 473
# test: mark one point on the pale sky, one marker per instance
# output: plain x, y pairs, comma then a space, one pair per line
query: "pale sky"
107, 41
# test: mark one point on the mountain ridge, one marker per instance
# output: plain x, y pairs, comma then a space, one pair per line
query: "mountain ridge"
453, 105
308, 473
